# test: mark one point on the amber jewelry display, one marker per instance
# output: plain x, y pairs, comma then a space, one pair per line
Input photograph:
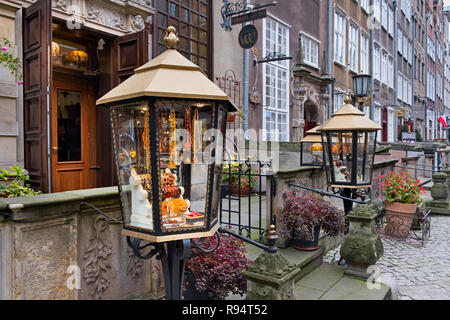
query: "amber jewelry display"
173, 162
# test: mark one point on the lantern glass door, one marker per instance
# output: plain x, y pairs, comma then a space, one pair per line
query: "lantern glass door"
339, 145
131, 123
366, 149
186, 144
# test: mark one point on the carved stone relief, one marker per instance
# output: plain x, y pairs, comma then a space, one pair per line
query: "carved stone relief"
97, 260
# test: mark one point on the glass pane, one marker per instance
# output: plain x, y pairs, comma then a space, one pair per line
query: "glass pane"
203, 51
203, 36
203, 65
131, 125
203, 9
202, 22
194, 47
185, 163
173, 9
184, 29
341, 149
194, 33
69, 126
162, 20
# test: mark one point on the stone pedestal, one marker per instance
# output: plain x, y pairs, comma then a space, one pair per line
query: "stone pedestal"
440, 194
271, 277
362, 246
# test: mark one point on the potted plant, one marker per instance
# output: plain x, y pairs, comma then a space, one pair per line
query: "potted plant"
217, 274
303, 216
230, 177
14, 183
402, 197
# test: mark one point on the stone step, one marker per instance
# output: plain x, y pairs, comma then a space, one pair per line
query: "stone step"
328, 282
307, 261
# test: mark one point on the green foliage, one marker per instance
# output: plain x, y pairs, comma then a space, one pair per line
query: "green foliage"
10, 61
230, 175
18, 186
400, 188
418, 136
403, 128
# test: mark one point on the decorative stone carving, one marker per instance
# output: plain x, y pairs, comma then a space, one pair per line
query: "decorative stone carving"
61, 4
271, 277
134, 267
362, 246
97, 260
138, 23
106, 16
440, 194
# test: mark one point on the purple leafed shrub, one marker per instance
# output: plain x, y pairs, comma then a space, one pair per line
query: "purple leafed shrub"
301, 213
220, 271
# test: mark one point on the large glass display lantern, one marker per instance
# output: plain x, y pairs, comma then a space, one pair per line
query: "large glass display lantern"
311, 153
168, 123
349, 141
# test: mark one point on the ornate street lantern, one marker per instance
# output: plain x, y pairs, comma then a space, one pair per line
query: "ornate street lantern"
311, 150
168, 123
361, 85
349, 140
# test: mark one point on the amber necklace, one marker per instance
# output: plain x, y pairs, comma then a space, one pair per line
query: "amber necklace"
145, 139
173, 140
197, 135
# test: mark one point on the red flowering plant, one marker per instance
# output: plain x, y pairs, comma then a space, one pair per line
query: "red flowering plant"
301, 213
220, 270
400, 188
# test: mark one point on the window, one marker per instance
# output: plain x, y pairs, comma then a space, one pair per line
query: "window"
377, 10
338, 99
353, 48
384, 67
276, 83
400, 41
364, 54
390, 125
400, 87
384, 14
310, 49
192, 24
391, 72
365, 5
339, 38
391, 21
376, 64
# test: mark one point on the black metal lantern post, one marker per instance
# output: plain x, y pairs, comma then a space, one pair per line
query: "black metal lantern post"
168, 126
361, 88
349, 140
311, 149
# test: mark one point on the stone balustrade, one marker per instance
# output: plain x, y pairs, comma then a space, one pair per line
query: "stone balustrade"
55, 246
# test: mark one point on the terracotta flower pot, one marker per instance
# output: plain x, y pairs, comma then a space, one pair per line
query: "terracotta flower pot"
399, 218
245, 190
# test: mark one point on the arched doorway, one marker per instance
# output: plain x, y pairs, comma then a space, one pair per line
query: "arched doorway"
311, 115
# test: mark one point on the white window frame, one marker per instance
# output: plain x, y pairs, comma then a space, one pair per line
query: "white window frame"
310, 48
377, 62
384, 67
391, 72
391, 21
278, 66
340, 22
384, 14
364, 53
353, 36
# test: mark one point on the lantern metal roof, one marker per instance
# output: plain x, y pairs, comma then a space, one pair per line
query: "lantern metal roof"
313, 136
349, 118
169, 75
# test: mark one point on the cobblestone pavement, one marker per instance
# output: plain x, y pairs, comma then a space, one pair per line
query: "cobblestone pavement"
421, 273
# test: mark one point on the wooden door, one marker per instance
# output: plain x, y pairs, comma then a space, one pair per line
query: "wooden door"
131, 52
37, 38
72, 115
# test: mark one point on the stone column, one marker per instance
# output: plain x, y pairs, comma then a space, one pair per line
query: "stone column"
440, 194
271, 276
447, 172
362, 246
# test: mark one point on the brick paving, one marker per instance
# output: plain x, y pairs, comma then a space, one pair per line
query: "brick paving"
421, 272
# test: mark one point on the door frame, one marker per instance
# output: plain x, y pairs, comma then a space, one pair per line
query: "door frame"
77, 86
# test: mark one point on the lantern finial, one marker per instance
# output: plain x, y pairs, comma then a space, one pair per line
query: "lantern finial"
348, 98
171, 39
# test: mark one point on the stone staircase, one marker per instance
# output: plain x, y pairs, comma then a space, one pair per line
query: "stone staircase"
323, 281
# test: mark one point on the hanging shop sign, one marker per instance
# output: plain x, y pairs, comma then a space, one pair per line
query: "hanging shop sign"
252, 16
248, 36
409, 137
